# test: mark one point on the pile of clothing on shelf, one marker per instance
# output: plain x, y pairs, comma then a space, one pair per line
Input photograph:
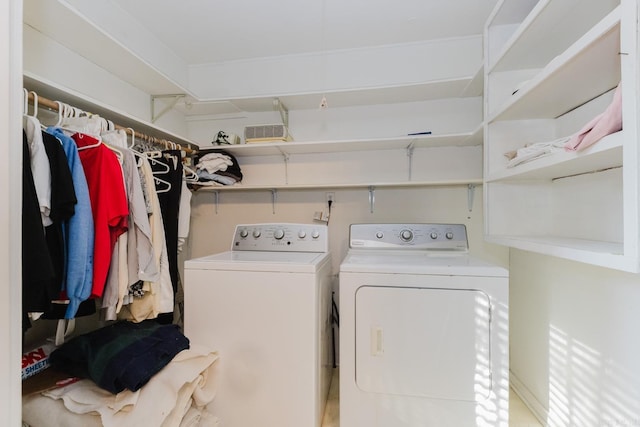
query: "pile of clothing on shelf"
217, 167
605, 123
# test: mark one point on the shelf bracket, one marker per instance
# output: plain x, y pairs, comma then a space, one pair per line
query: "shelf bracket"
471, 189
274, 199
284, 112
372, 198
285, 158
410, 149
216, 200
175, 98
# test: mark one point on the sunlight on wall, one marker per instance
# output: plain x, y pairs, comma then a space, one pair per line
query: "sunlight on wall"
585, 390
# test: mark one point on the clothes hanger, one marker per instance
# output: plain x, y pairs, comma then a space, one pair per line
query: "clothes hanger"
167, 185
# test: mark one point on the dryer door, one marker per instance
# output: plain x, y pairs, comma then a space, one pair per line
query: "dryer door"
424, 342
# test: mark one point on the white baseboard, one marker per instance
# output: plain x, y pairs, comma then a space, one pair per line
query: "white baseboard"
537, 409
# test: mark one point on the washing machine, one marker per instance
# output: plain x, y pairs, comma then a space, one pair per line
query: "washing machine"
264, 306
424, 330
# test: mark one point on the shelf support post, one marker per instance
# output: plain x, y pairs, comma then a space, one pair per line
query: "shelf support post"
471, 189
372, 198
274, 199
176, 97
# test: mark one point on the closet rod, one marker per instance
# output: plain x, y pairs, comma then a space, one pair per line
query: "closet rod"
54, 106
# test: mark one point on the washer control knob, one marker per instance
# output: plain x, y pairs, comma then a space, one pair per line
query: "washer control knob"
449, 235
379, 235
302, 234
256, 233
433, 235
406, 235
278, 234
315, 234
244, 233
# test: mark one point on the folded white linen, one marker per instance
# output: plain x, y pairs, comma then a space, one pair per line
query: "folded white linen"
189, 380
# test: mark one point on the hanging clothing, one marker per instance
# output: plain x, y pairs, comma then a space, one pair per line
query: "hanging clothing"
152, 298
40, 168
37, 268
78, 232
170, 204
63, 201
108, 203
184, 215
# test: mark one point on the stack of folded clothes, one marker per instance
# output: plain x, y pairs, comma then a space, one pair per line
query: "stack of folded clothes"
217, 167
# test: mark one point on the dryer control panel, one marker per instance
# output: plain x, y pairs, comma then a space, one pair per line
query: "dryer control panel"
436, 237
281, 237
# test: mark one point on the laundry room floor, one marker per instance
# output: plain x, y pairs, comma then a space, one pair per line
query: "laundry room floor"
519, 414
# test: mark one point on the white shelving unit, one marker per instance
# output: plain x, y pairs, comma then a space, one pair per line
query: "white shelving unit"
550, 67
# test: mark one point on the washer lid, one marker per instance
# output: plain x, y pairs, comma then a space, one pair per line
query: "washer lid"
304, 262
418, 262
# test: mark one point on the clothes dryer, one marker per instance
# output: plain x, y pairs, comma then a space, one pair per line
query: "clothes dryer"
424, 330
265, 305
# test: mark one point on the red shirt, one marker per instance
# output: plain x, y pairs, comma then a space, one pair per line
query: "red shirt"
108, 203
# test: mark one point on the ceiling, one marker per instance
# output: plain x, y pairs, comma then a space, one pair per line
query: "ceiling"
238, 55
216, 31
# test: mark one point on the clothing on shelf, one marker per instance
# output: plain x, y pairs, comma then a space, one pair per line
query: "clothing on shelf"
603, 124
534, 151
217, 167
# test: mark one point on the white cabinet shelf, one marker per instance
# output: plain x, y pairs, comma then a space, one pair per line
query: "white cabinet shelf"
587, 69
605, 154
406, 161
309, 147
545, 77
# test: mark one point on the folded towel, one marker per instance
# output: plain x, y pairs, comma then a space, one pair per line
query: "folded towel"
189, 381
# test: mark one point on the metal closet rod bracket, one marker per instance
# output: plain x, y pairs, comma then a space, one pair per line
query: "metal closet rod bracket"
175, 96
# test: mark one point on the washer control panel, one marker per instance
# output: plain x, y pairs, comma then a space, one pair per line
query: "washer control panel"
281, 237
441, 237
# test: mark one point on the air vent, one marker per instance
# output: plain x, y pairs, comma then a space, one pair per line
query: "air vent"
266, 133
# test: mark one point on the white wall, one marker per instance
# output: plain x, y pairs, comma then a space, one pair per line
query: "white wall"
574, 341
10, 210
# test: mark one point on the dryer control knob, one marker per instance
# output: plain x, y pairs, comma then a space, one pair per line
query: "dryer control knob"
302, 234
449, 235
278, 234
406, 235
434, 235
244, 233
256, 233
315, 234
379, 235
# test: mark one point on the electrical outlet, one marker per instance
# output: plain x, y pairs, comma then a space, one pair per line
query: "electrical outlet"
331, 196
